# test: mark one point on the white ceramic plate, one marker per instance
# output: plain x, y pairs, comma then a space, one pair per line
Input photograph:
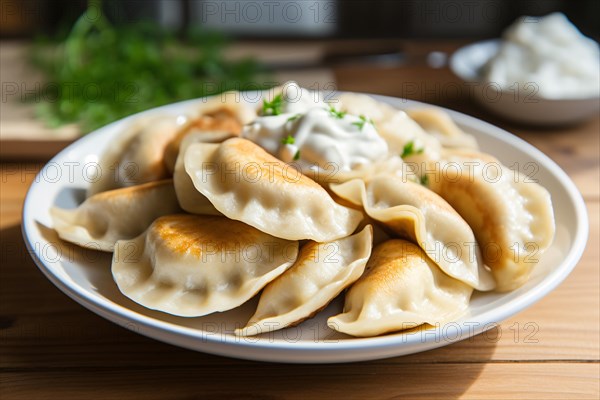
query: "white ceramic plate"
520, 104
85, 275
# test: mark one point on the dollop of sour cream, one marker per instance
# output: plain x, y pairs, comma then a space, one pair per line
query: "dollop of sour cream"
550, 53
315, 135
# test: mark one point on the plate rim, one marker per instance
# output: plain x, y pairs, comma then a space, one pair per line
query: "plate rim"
360, 348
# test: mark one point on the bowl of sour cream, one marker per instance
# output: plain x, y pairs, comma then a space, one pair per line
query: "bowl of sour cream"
542, 72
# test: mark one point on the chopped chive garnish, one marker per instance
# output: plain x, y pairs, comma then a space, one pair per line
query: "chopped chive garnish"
274, 106
288, 140
335, 113
409, 149
363, 120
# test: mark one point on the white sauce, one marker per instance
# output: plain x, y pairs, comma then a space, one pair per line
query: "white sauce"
320, 138
551, 53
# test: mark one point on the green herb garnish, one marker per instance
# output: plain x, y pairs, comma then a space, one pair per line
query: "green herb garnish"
335, 113
297, 155
363, 120
409, 149
274, 106
424, 180
294, 117
102, 72
288, 140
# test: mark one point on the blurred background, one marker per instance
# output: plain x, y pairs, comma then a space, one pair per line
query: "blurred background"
304, 19
71, 66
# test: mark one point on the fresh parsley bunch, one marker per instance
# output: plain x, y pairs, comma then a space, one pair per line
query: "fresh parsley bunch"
101, 72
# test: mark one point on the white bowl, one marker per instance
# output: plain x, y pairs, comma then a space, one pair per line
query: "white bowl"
85, 275
517, 104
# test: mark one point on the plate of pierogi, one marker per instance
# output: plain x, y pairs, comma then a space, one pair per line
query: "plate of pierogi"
291, 225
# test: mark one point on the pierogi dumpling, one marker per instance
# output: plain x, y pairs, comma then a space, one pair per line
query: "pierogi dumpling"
303, 199
193, 265
438, 123
247, 184
320, 273
511, 214
136, 155
190, 199
400, 289
103, 219
411, 211
221, 117
395, 126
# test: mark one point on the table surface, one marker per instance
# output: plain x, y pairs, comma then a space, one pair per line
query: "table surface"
52, 347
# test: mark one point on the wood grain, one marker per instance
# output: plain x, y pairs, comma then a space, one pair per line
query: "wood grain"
353, 381
551, 330
51, 347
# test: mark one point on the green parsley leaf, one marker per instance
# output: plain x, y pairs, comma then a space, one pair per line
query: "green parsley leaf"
335, 113
363, 120
424, 180
100, 71
294, 117
288, 140
274, 106
409, 149
297, 156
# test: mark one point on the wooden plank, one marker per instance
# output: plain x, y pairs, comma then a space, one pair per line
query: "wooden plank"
49, 329
31, 150
52, 347
576, 150
274, 381
15, 179
59, 326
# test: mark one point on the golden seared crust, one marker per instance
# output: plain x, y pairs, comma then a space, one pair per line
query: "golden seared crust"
393, 250
387, 259
256, 163
133, 192
431, 118
221, 119
201, 234
308, 252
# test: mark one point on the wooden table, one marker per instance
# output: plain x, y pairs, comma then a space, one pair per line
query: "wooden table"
51, 347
